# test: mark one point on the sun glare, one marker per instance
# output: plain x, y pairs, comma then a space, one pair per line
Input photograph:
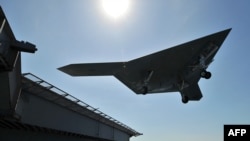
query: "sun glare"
115, 8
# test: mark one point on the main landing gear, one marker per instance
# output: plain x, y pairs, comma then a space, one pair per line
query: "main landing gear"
184, 99
206, 74
144, 90
146, 81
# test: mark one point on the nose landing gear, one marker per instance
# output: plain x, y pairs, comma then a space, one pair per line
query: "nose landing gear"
206, 74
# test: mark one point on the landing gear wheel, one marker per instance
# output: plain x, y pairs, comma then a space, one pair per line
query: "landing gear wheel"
206, 74
184, 99
144, 90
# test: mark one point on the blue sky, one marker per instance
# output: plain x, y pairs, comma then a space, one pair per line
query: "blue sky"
79, 31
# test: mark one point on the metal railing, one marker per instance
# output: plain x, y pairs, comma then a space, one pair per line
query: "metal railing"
66, 95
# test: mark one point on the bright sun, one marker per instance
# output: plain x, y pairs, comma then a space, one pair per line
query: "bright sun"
116, 8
